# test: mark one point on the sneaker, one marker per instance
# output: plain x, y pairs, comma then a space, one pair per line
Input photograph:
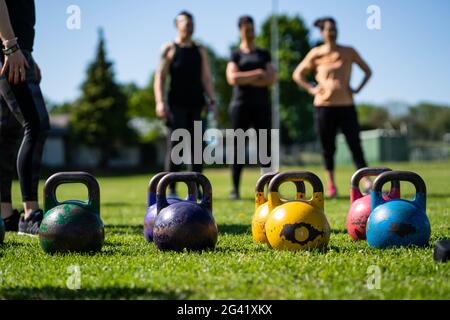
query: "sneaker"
234, 195
12, 222
332, 192
30, 226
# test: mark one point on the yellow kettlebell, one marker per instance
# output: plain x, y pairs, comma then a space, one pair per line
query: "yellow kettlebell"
297, 225
262, 209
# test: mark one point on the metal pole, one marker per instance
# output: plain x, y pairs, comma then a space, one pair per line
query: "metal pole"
275, 43
275, 89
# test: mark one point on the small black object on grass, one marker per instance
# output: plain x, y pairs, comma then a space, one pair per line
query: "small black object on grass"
442, 251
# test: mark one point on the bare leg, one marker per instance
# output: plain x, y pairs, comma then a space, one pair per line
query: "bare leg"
367, 184
331, 184
30, 207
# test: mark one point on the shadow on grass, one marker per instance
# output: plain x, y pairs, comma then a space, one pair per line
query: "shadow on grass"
435, 195
242, 200
250, 250
340, 197
236, 229
341, 231
247, 199
124, 229
115, 204
11, 244
52, 293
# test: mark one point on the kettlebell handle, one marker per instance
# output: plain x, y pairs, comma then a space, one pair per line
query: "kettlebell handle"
415, 179
296, 177
153, 185
186, 177
369, 172
265, 180
309, 177
52, 183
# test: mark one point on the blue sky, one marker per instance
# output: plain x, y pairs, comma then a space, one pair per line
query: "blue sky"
409, 55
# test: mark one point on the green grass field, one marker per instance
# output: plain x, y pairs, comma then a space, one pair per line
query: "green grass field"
130, 268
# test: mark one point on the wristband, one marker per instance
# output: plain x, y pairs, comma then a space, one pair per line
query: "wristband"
10, 51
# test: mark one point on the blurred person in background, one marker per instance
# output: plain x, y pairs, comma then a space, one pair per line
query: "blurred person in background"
333, 96
251, 73
186, 63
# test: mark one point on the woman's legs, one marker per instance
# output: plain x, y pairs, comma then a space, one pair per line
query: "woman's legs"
28, 104
240, 119
10, 135
351, 130
36, 125
326, 126
263, 121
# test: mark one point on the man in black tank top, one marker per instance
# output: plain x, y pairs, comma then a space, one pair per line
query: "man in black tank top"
23, 115
190, 80
186, 87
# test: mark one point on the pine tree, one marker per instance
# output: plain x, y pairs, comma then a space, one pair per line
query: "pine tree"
100, 118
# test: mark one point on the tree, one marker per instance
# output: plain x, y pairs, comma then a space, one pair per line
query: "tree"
296, 108
141, 101
100, 117
64, 108
222, 88
372, 116
429, 121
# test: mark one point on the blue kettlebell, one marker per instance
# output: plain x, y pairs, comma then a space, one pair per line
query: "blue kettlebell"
185, 224
150, 217
398, 222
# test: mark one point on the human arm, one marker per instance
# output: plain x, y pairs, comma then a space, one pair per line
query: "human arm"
237, 77
269, 78
15, 64
301, 72
364, 67
208, 83
160, 80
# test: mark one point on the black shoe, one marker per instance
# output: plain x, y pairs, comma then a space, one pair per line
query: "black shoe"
12, 222
30, 226
234, 195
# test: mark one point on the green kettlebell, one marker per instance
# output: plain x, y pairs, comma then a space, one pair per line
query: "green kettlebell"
71, 226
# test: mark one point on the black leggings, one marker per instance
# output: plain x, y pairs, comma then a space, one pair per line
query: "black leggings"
182, 118
23, 116
245, 117
328, 121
